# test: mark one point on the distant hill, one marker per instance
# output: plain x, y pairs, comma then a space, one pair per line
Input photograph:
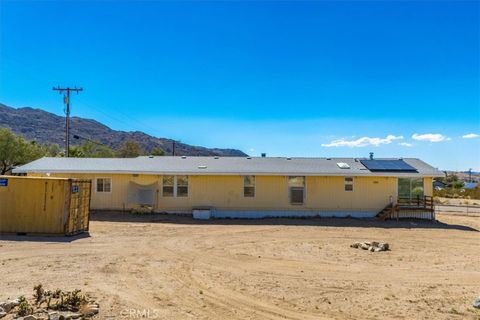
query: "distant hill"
47, 128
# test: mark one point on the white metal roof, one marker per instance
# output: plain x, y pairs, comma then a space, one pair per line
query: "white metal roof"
219, 166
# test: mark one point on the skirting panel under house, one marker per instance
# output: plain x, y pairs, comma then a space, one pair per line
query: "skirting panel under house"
254, 214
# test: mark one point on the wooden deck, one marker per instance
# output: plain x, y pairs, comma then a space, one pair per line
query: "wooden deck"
417, 208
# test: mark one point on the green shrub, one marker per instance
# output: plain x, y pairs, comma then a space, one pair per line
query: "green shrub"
24, 307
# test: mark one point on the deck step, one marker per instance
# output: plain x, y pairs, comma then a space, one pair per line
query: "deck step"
385, 212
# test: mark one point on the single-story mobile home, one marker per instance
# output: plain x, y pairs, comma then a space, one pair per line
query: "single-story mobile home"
248, 187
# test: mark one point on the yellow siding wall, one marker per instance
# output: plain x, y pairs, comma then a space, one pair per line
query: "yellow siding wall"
117, 198
369, 193
271, 193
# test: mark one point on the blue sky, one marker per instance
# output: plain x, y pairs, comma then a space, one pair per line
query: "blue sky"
319, 78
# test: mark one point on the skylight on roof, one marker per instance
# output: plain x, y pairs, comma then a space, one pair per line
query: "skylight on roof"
343, 165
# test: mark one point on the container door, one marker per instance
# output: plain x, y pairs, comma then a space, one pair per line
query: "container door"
79, 206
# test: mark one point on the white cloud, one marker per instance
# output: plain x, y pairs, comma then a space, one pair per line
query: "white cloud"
406, 144
431, 137
470, 136
362, 142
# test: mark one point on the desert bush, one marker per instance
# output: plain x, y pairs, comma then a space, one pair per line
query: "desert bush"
24, 307
67, 301
39, 294
74, 300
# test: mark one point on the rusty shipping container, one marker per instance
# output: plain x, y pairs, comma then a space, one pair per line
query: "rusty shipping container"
50, 206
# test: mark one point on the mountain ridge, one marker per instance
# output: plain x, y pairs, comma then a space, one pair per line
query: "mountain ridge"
43, 127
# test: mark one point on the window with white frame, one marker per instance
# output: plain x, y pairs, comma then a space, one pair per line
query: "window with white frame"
168, 186
249, 186
104, 184
348, 184
175, 186
296, 188
182, 186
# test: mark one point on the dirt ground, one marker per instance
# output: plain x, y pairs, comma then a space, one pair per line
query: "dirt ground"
165, 267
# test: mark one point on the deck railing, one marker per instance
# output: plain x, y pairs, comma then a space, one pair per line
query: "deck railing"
425, 202
421, 207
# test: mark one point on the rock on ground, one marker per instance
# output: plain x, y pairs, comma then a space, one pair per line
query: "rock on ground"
372, 246
9, 305
476, 303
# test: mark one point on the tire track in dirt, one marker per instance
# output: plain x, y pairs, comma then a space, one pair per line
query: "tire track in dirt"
225, 298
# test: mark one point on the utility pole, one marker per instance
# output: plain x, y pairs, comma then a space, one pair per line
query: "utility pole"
470, 175
173, 147
66, 101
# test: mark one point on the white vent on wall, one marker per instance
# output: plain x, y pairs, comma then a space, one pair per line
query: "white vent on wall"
343, 165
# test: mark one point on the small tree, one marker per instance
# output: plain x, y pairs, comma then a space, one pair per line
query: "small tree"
457, 184
52, 150
157, 151
130, 149
91, 149
76, 152
451, 178
15, 151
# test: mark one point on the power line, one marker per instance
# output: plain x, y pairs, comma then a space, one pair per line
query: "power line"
130, 121
105, 114
66, 101
76, 136
35, 73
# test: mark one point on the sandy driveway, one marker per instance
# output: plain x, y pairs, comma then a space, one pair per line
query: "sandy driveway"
176, 268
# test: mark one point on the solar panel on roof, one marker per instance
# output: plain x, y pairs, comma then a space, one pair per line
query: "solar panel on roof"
388, 166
